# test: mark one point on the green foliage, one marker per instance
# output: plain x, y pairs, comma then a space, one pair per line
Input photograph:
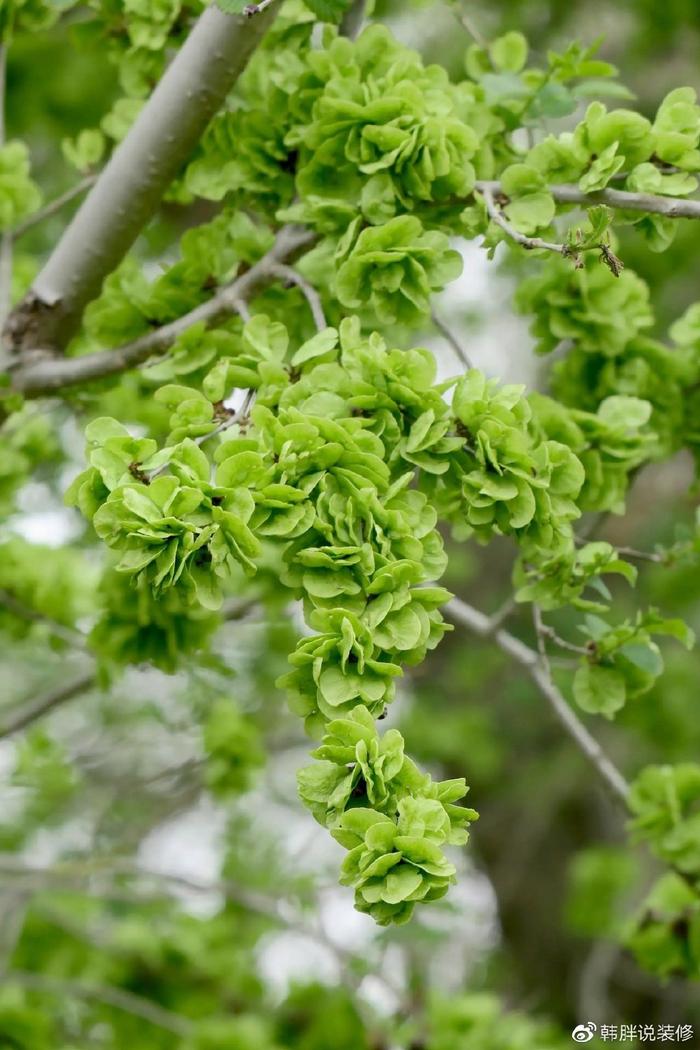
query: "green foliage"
26, 444
664, 803
394, 864
28, 15
329, 462
393, 269
666, 935
479, 1022
40, 584
511, 481
599, 879
134, 627
623, 661
391, 817
562, 581
19, 195
591, 307
233, 746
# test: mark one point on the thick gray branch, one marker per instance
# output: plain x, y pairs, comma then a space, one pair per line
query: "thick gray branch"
49, 375
132, 184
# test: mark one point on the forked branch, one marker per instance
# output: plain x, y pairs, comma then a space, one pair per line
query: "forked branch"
131, 186
49, 375
537, 667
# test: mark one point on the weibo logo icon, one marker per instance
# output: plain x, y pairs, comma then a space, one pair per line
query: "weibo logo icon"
583, 1033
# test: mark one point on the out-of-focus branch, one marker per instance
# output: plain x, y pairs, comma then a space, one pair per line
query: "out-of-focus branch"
76, 874
53, 206
351, 22
42, 705
459, 10
451, 337
25, 612
47, 702
106, 995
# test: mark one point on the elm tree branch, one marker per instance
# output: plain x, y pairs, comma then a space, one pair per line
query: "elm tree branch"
497, 216
538, 669
464, 17
450, 336
292, 277
546, 632
238, 417
671, 207
130, 187
632, 552
49, 375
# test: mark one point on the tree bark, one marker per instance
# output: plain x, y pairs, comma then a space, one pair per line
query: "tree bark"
128, 191
49, 375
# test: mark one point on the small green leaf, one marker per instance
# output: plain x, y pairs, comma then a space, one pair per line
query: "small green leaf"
599, 690
509, 52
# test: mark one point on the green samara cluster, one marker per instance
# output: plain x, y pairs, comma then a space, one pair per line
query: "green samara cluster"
301, 426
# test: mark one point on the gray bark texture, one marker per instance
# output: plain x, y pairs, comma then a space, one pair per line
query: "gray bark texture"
129, 189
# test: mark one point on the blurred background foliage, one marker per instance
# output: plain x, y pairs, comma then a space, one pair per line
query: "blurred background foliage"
145, 875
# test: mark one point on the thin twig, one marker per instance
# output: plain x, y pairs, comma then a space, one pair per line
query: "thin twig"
107, 995
449, 335
545, 631
45, 703
503, 612
238, 417
282, 913
53, 206
61, 694
458, 10
240, 306
255, 9
570, 251
497, 216
292, 276
73, 873
632, 552
581, 538
480, 624
671, 207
